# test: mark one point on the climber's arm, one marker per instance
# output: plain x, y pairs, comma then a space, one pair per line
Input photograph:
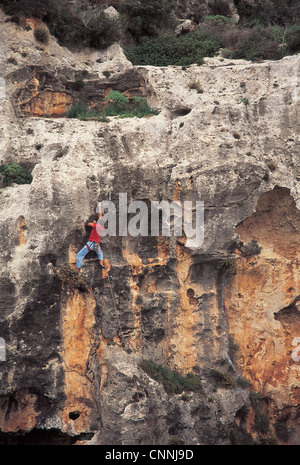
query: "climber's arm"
99, 210
99, 215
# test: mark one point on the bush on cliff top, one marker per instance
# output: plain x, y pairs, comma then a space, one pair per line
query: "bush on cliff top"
145, 18
268, 12
167, 49
212, 34
66, 23
27, 8
258, 45
145, 29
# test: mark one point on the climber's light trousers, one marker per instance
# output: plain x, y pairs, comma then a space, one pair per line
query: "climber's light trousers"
85, 250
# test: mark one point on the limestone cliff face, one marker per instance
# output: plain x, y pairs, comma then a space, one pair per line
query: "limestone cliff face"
227, 133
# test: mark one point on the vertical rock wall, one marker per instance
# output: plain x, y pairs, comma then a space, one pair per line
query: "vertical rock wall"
261, 303
73, 369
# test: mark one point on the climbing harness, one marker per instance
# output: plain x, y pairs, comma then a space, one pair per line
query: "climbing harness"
95, 248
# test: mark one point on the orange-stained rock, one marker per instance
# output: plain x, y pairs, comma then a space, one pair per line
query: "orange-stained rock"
48, 103
176, 313
262, 317
77, 349
18, 411
37, 98
22, 230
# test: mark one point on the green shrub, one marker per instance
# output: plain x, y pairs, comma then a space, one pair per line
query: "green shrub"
147, 17
268, 12
245, 101
220, 7
82, 112
261, 423
172, 381
14, 173
228, 265
27, 8
77, 111
167, 49
276, 33
256, 43
293, 38
185, 397
68, 275
176, 441
78, 84
116, 105
239, 436
102, 31
119, 105
41, 34
141, 107
266, 21
224, 380
242, 382
218, 20
257, 46
255, 399
282, 431
67, 25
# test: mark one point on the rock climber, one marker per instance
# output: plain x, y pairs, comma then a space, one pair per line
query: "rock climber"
93, 243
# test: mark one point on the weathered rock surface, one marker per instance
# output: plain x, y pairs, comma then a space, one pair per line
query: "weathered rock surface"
227, 133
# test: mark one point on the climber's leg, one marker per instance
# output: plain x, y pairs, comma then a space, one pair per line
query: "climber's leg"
80, 256
100, 256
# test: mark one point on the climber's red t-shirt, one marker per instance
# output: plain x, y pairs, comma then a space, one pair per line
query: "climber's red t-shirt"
96, 231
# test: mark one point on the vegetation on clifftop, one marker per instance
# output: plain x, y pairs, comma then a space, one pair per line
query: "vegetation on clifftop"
146, 28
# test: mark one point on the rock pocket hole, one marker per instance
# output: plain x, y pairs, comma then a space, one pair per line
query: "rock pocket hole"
291, 289
137, 396
74, 415
180, 112
191, 295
